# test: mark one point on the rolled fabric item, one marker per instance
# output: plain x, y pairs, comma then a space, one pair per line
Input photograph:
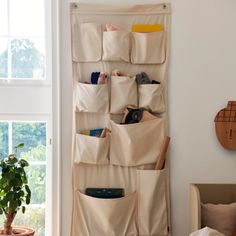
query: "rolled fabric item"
92, 132
94, 77
143, 78
111, 27
103, 78
116, 72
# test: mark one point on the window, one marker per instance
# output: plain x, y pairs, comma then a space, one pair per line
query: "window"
22, 39
34, 136
29, 95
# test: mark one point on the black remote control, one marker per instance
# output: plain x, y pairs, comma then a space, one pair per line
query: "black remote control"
105, 192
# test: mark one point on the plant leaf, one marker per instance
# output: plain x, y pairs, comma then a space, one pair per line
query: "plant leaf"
27, 189
20, 145
27, 201
23, 163
23, 209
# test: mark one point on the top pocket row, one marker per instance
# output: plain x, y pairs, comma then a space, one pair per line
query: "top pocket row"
89, 44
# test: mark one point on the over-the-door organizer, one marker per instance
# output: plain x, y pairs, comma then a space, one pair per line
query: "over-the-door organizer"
124, 158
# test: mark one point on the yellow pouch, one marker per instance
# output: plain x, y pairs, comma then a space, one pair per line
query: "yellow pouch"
146, 28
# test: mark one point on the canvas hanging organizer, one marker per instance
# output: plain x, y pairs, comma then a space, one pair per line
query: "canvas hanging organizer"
124, 158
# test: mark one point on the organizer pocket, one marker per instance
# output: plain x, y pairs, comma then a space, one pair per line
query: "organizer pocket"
92, 150
92, 97
116, 46
152, 202
106, 217
123, 93
136, 144
86, 42
151, 97
148, 48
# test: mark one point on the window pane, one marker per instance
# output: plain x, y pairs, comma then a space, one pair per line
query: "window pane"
27, 18
3, 139
3, 57
34, 218
35, 154
3, 17
32, 135
37, 180
28, 58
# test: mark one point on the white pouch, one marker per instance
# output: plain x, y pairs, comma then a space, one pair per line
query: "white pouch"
123, 93
86, 42
116, 46
136, 144
152, 202
151, 97
92, 97
91, 150
148, 48
106, 217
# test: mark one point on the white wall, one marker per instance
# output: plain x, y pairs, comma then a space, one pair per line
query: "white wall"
202, 80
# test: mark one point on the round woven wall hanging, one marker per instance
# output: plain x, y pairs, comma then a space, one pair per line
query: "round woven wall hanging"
225, 125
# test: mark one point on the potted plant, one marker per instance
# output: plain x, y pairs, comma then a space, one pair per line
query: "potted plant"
14, 192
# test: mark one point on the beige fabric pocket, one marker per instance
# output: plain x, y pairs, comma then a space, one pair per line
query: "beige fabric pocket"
152, 202
151, 97
86, 42
116, 46
92, 97
123, 93
92, 150
136, 144
148, 48
106, 217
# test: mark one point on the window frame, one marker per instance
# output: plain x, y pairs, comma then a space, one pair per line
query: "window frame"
47, 80
49, 162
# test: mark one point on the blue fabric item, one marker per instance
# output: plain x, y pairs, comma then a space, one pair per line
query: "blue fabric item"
94, 77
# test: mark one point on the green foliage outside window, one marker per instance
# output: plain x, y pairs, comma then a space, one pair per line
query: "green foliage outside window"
37, 183
3, 139
34, 154
4, 64
31, 134
27, 61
